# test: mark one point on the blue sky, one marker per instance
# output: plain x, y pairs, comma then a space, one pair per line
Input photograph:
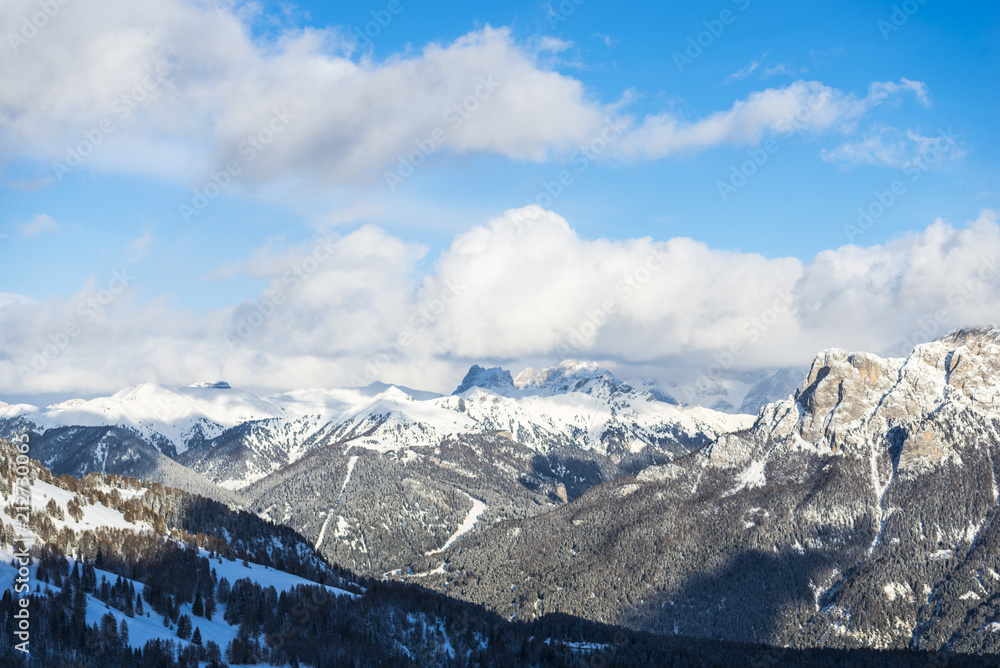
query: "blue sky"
877, 83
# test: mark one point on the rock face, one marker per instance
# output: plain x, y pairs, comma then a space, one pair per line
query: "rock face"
849, 399
860, 511
496, 379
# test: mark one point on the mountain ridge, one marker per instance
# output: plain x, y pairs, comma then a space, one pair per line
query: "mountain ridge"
861, 511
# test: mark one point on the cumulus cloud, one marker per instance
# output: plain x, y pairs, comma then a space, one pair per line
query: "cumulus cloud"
520, 288
915, 287
176, 88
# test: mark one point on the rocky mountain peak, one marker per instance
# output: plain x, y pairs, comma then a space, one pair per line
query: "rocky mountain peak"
567, 376
851, 397
216, 385
495, 379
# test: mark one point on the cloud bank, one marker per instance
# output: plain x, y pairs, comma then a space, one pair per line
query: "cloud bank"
520, 288
179, 90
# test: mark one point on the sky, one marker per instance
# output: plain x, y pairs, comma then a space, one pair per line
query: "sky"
327, 194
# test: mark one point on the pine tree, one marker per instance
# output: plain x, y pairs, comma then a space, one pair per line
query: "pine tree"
184, 627
175, 608
198, 609
196, 638
214, 651
209, 608
123, 633
222, 592
138, 605
109, 629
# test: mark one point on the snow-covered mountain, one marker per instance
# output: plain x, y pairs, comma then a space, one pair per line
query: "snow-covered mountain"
573, 404
862, 511
116, 571
171, 418
234, 437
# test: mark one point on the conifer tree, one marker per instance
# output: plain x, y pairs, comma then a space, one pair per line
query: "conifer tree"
198, 609
184, 627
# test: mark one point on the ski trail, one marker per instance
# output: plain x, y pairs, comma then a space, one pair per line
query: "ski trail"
467, 525
350, 469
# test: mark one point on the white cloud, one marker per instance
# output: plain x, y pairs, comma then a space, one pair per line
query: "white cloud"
880, 91
743, 73
889, 147
801, 107
552, 44
523, 287
917, 286
781, 68
38, 225
183, 87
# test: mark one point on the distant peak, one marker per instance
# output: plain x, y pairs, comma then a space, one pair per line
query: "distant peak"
495, 379
564, 371
378, 387
217, 385
70, 403
650, 386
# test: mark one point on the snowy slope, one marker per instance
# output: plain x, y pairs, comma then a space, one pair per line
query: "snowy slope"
591, 420
235, 438
148, 626
468, 524
159, 412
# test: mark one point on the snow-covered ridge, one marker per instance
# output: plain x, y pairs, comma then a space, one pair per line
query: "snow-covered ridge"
568, 376
575, 404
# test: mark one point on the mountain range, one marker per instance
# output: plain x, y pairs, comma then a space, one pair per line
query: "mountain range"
856, 512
